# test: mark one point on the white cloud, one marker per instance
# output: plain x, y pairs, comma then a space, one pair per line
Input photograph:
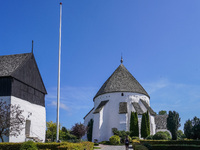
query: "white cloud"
72, 98
167, 95
62, 106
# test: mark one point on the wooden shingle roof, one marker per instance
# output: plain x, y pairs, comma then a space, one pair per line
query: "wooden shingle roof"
148, 108
121, 81
22, 67
161, 121
101, 105
137, 108
10, 63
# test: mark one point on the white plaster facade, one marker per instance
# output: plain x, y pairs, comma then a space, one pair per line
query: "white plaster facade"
33, 112
120, 95
109, 116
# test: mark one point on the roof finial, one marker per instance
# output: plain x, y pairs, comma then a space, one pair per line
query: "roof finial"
121, 59
32, 47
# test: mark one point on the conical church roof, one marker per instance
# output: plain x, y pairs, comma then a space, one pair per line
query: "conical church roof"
121, 81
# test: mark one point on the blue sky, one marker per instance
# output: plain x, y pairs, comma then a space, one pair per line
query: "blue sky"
160, 42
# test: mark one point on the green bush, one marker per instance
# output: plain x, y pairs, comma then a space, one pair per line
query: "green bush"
105, 142
114, 140
160, 136
10, 146
176, 147
140, 147
51, 146
150, 137
135, 138
77, 146
170, 142
134, 143
148, 146
29, 145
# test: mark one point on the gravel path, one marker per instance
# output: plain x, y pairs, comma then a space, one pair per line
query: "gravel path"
110, 147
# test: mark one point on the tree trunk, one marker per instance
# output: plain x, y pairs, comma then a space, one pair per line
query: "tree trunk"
1, 138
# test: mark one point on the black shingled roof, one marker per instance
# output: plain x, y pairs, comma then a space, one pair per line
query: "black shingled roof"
121, 81
101, 105
10, 63
137, 108
161, 121
148, 108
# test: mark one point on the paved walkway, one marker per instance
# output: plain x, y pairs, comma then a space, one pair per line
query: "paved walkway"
110, 147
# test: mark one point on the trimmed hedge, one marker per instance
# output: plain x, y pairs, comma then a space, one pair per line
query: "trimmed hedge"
140, 147
29, 145
77, 146
9, 146
134, 143
183, 142
50, 146
175, 147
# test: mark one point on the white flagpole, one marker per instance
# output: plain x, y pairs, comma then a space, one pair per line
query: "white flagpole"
58, 92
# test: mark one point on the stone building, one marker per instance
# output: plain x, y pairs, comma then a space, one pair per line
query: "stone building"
117, 98
21, 84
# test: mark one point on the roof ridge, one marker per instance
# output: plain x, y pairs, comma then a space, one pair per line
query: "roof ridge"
121, 80
22, 63
14, 54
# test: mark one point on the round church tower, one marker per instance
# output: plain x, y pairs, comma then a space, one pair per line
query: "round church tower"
117, 98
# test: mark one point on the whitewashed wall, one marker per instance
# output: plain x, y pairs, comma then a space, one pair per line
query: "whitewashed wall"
35, 113
109, 116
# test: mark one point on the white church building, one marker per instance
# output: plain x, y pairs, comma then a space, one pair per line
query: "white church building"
120, 95
21, 84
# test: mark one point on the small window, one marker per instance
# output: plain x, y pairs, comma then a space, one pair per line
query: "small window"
122, 94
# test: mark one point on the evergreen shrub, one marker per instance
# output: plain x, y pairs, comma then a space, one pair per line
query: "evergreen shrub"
161, 136
29, 145
170, 142
150, 137
10, 146
134, 143
114, 140
140, 147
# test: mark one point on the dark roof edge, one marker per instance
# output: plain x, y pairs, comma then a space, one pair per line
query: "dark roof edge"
88, 113
120, 92
23, 63
15, 54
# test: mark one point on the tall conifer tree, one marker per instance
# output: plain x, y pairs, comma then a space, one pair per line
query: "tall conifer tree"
136, 128
131, 122
144, 126
148, 123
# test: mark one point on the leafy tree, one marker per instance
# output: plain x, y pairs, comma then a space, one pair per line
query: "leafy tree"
162, 112
188, 129
51, 131
196, 128
144, 128
121, 134
148, 123
134, 129
180, 135
11, 120
66, 135
89, 130
78, 130
173, 123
